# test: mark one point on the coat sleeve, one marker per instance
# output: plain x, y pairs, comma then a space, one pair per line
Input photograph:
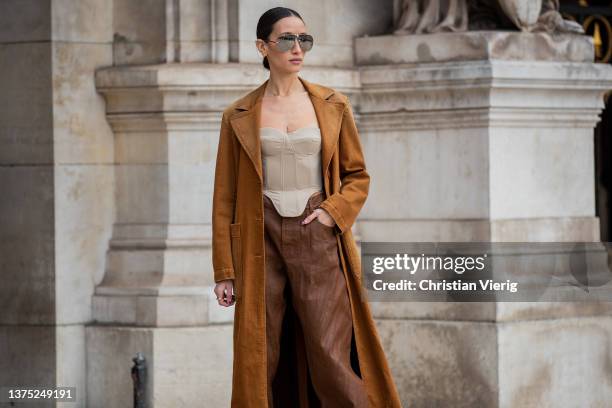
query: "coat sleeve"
224, 199
344, 205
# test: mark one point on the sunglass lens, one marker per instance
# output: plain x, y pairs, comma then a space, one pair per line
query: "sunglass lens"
286, 42
306, 42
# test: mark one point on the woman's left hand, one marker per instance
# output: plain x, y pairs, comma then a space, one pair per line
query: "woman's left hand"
323, 217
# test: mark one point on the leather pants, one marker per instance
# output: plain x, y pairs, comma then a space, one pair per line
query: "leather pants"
306, 258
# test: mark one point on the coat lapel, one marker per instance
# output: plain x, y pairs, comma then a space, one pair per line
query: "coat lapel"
246, 122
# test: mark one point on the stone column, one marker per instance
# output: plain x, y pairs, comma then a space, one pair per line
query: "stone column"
166, 127
486, 136
56, 175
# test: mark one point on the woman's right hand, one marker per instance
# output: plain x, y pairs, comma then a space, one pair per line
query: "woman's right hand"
225, 292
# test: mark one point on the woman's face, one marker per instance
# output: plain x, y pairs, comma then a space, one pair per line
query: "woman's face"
281, 61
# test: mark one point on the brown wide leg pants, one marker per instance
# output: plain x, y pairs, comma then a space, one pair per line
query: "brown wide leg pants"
306, 258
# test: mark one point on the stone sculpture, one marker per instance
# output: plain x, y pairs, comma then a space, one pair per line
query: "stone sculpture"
432, 16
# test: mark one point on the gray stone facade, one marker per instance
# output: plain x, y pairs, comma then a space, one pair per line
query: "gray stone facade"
109, 120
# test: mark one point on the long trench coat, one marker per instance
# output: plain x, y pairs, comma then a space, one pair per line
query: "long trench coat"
238, 251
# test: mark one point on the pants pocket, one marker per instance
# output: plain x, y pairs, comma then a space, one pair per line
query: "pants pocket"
323, 225
313, 203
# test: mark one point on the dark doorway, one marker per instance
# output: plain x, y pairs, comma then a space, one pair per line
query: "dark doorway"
596, 19
603, 170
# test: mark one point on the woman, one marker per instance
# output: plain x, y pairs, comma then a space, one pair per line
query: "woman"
289, 182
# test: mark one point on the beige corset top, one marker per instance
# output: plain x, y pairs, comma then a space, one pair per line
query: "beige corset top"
292, 167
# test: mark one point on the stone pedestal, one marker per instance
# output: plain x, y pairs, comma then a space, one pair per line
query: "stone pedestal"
486, 137
483, 149
157, 295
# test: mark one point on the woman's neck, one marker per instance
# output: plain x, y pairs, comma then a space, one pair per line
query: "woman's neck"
283, 86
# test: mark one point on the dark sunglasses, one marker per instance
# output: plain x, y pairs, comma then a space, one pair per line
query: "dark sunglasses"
285, 42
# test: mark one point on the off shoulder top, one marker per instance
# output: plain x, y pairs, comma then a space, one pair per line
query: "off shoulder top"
292, 167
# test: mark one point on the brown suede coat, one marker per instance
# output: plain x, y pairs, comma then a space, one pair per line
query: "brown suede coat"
238, 251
